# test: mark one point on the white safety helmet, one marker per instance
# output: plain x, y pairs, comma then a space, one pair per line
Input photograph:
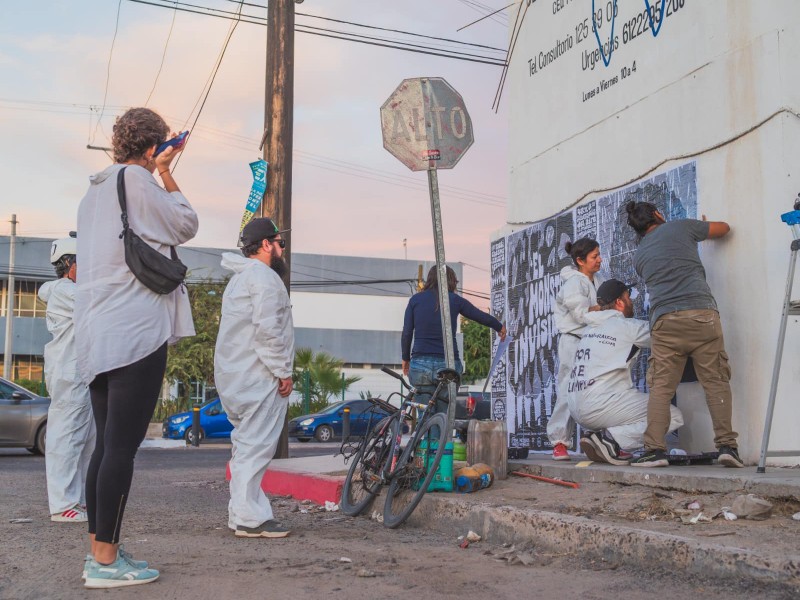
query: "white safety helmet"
63, 247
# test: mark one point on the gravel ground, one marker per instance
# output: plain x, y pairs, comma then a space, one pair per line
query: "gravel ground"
176, 519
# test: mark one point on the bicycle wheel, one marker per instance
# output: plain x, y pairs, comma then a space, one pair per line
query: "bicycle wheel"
411, 477
363, 481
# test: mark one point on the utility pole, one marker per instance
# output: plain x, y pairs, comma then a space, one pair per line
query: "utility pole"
277, 140
7, 352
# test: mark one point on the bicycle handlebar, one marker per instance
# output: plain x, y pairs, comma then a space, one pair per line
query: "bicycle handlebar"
388, 371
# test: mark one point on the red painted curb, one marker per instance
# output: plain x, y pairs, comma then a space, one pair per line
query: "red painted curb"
300, 485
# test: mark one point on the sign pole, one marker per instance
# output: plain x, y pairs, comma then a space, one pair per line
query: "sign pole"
444, 298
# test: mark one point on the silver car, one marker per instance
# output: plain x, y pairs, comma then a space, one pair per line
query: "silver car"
23, 418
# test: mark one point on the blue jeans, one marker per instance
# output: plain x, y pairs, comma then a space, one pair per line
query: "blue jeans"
422, 375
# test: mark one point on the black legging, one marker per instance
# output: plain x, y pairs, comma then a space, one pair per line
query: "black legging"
123, 401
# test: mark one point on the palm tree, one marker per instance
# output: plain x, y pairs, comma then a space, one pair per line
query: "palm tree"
324, 374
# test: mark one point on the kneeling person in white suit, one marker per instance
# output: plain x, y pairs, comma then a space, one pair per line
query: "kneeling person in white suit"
601, 395
70, 434
253, 371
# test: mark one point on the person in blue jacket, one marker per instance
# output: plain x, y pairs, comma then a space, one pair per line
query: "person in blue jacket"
423, 325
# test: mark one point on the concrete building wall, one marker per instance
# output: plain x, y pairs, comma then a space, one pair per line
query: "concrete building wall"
717, 85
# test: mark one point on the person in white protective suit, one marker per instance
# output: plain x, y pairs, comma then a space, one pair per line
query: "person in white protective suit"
253, 371
575, 307
70, 428
601, 395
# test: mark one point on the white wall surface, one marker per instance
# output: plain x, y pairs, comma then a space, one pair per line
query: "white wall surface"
719, 84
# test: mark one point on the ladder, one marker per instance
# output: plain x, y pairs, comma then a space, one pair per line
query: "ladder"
790, 307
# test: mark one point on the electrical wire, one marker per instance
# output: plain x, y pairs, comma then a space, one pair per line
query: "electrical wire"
163, 55
483, 9
210, 83
334, 34
410, 33
511, 47
108, 72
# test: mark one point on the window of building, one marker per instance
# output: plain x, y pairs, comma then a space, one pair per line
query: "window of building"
26, 366
26, 300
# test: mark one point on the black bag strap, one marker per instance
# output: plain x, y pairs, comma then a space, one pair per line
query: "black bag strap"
123, 205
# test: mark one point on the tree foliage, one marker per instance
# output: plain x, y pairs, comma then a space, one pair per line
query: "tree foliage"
325, 376
477, 350
192, 359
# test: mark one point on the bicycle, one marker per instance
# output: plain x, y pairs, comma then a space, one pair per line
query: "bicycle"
382, 460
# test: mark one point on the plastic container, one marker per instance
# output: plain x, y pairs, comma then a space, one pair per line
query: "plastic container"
459, 450
443, 480
474, 478
487, 442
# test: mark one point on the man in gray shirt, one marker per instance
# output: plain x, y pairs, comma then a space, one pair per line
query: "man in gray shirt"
684, 322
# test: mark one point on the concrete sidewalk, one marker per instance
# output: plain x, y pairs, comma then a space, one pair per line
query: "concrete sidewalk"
617, 515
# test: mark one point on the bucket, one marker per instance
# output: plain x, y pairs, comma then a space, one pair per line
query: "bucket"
487, 442
443, 480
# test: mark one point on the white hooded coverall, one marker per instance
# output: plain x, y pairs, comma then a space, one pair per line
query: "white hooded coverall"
70, 426
577, 294
255, 348
600, 391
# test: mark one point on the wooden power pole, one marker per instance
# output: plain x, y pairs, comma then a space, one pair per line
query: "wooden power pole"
277, 141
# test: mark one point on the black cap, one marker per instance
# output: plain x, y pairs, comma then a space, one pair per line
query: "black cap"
609, 291
259, 229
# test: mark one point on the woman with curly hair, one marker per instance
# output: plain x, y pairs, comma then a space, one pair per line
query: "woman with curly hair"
122, 328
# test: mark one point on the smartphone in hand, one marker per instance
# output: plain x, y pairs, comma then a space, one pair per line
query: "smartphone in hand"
177, 142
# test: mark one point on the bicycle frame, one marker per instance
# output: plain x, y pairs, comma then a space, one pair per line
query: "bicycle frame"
408, 403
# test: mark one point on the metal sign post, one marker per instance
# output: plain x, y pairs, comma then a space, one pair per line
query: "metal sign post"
426, 126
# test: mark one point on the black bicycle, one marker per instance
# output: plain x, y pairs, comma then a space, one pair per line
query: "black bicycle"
381, 458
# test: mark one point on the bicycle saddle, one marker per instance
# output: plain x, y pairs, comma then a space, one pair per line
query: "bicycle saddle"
449, 374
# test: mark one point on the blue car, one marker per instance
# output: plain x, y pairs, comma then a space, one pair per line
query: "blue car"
213, 424
327, 424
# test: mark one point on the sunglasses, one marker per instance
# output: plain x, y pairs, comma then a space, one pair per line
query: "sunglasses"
281, 243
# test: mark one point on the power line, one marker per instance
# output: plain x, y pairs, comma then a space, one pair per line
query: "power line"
163, 55
511, 47
334, 34
108, 72
211, 82
411, 33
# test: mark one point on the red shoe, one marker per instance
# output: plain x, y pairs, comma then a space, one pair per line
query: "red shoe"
560, 452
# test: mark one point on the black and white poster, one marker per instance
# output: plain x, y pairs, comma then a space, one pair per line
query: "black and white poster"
525, 280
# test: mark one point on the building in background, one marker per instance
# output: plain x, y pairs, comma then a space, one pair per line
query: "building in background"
694, 106
349, 307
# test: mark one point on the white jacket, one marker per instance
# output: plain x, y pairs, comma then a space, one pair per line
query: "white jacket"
256, 332
602, 362
117, 319
60, 370
577, 294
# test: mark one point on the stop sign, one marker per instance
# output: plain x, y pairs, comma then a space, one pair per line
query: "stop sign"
425, 124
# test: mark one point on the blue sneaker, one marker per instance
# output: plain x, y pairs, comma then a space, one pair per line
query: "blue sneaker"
120, 573
136, 564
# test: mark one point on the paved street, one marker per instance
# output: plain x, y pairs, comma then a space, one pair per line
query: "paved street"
176, 519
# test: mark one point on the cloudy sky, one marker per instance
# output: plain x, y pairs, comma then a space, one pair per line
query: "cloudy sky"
350, 197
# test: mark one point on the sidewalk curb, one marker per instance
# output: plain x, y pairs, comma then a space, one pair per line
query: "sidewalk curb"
303, 486
318, 488
615, 543
746, 480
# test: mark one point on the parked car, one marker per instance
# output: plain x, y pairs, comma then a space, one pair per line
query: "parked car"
214, 423
23, 418
327, 424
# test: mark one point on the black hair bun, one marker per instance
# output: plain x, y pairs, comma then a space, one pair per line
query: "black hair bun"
568, 248
630, 206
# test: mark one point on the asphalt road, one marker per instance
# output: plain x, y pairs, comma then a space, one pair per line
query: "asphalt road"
176, 518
